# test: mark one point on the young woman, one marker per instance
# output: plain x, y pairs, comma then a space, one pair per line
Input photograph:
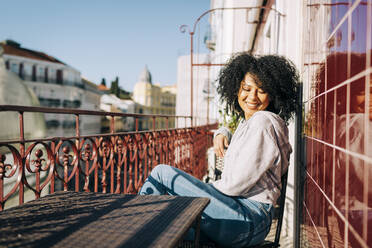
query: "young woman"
263, 92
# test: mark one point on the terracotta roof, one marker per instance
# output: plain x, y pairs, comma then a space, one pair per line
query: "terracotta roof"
103, 87
13, 48
86, 81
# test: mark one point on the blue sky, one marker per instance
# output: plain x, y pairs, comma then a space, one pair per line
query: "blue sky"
107, 38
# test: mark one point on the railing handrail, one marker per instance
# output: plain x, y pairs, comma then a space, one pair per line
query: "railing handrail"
14, 141
20, 108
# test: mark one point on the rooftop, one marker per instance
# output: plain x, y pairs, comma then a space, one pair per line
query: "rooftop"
14, 48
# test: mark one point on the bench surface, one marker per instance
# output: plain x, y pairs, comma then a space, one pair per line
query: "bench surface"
82, 219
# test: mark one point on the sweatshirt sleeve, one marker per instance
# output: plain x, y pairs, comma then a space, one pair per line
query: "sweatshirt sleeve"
249, 156
225, 132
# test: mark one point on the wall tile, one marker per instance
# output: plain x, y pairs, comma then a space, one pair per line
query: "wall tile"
339, 168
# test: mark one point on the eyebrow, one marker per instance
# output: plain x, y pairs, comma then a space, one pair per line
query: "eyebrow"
247, 83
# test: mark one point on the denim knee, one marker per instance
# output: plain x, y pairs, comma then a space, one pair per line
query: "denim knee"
153, 184
159, 170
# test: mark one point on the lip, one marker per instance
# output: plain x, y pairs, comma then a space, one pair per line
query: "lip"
252, 105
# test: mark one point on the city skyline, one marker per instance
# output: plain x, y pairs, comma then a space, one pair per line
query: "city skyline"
110, 39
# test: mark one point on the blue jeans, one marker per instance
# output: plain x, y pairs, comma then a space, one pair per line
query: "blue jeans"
227, 220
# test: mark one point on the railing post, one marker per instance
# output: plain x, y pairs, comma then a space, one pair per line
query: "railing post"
3, 167
77, 143
22, 152
52, 180
112, 124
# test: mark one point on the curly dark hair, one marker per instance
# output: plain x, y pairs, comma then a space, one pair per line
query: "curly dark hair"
274, 74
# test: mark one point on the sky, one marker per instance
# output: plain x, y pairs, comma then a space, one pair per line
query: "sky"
108, 38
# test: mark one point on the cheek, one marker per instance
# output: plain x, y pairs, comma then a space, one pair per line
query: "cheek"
241, 95
265, 101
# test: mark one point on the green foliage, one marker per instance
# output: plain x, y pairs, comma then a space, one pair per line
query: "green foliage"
117, 91
125, 95
103, 82
230, 121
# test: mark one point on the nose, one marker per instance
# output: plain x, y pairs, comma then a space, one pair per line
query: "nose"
252, 95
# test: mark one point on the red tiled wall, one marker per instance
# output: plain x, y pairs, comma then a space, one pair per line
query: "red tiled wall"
337, 97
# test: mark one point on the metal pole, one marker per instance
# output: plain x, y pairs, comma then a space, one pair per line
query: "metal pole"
208, 92
191, 77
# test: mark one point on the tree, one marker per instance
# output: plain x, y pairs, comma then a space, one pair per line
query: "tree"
115, 89
103, 82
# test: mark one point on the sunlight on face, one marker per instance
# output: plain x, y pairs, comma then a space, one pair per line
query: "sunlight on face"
251, 98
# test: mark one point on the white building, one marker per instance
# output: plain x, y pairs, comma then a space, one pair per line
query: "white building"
205, 102
111, 103
13, 91
56, 84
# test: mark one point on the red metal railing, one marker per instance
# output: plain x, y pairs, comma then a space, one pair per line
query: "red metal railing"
117, 162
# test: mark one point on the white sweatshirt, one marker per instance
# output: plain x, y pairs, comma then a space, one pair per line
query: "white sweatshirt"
257, 156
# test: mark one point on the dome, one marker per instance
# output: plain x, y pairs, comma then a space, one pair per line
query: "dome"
145, 76
14, 92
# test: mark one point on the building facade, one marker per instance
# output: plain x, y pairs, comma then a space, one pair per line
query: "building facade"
55, 84
13, 91
154, 99
205, 100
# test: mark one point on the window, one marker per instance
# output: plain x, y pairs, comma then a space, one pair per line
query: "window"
71, 104
34, 73
52, 124
59, 77
21, 72
46, 75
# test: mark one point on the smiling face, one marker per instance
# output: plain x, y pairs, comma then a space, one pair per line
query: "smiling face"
251, 98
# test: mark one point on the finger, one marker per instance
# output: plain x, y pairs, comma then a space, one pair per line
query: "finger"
222, 150
216, 149
226, 143
219, 151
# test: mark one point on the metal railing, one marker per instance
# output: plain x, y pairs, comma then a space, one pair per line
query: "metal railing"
115, 162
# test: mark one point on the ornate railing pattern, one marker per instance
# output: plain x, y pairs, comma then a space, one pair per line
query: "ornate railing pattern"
112, 163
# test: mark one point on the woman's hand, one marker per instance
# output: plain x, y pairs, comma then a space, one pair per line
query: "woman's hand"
219, 144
